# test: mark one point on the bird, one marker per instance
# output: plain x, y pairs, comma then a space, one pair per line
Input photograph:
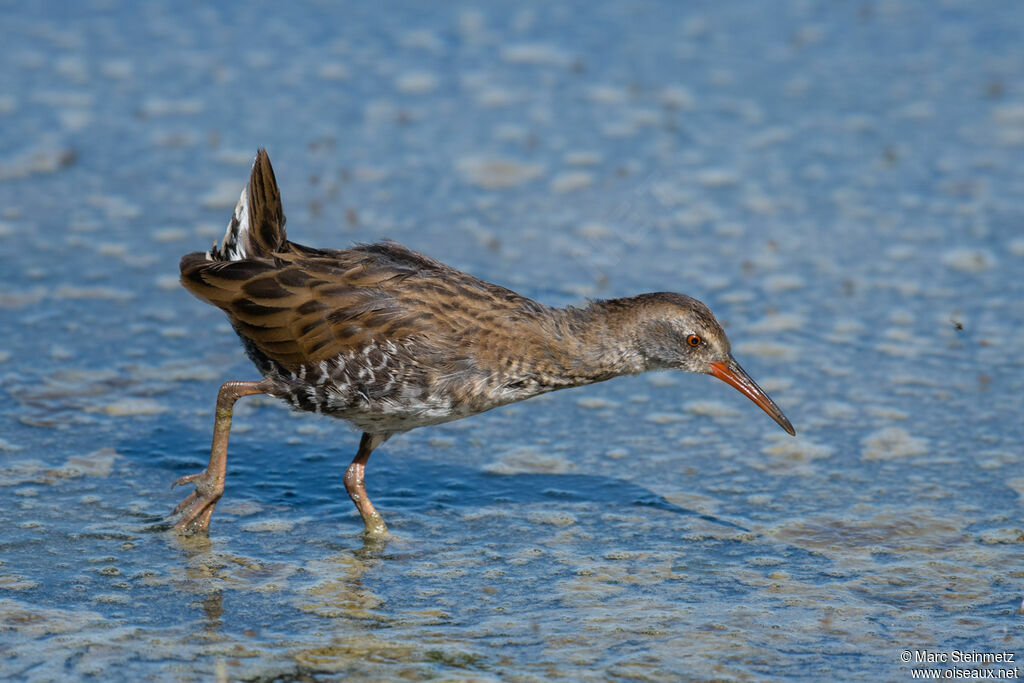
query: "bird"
389, 340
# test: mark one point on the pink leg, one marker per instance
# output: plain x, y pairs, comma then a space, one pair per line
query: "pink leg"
199, 505
356, 486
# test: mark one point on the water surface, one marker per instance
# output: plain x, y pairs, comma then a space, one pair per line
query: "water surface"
840, 182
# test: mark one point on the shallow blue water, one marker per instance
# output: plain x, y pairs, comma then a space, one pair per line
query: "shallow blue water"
840, 182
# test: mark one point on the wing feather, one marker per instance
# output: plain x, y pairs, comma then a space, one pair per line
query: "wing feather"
303, 306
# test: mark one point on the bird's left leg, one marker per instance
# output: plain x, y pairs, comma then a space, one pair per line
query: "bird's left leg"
199, 505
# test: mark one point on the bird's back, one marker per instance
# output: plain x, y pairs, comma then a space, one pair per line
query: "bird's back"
373, 329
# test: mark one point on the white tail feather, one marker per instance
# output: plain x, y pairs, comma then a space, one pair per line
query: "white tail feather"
237, 234
256, 229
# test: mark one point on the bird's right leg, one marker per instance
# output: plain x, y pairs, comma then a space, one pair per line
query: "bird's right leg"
355, 484
199, 505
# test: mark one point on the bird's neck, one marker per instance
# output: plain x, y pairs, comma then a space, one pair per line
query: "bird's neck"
594, 342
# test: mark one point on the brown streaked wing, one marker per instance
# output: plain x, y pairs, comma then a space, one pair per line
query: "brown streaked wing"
304, 305
299, 310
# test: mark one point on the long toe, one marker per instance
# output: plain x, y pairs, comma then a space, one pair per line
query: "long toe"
198, 506
187, 479
196, 514
185, 503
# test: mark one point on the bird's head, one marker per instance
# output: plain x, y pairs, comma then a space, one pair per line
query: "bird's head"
674, 331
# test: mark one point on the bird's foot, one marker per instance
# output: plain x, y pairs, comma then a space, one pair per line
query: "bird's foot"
196, 509
375, 529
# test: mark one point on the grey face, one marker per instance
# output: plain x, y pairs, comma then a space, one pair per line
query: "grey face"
681, 333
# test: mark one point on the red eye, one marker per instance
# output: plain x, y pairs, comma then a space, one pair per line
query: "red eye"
694, 340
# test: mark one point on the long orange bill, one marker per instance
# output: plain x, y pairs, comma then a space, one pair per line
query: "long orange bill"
732, 374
